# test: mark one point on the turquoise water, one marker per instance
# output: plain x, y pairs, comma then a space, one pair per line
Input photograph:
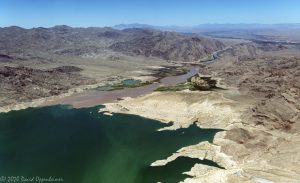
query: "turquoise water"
125, 83
130, 82
83, 146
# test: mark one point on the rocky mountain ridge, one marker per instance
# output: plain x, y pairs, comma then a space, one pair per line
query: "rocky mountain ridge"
26, 84
48, 44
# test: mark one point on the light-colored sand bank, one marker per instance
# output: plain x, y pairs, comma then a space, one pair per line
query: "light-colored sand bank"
269, 156
181, 108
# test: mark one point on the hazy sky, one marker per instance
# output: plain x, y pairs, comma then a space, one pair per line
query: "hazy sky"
46, 13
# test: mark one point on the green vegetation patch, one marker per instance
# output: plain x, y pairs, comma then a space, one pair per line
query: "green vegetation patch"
170, 71
178, 87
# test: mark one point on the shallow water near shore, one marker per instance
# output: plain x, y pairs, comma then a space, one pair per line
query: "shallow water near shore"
84, 146
105, 94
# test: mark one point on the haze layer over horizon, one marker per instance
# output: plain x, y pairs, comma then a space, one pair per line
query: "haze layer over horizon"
86, 13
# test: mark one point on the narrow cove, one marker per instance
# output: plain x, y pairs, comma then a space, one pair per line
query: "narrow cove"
84, 146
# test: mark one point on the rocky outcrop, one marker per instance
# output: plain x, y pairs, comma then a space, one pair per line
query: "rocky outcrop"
23, 84
226, 171
187, 107
203, 82
203, 150
275, 80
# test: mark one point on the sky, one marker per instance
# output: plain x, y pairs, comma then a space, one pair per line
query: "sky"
86, 13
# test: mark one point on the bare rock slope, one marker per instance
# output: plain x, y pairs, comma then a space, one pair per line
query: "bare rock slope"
47, 44
169, 46
101, 52
25, 84
259, 109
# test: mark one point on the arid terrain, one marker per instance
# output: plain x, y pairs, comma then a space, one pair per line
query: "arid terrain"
248, 87
30, 58
256, 103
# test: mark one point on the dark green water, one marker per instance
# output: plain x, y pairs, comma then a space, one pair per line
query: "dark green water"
83, 146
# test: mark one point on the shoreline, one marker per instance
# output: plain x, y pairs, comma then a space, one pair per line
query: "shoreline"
152, 75
40, 102
199, 109
212, 109
244, 158
196, 105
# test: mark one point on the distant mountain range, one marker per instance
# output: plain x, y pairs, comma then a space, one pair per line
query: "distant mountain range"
279, 32
50, 44
169, 43
210, 27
